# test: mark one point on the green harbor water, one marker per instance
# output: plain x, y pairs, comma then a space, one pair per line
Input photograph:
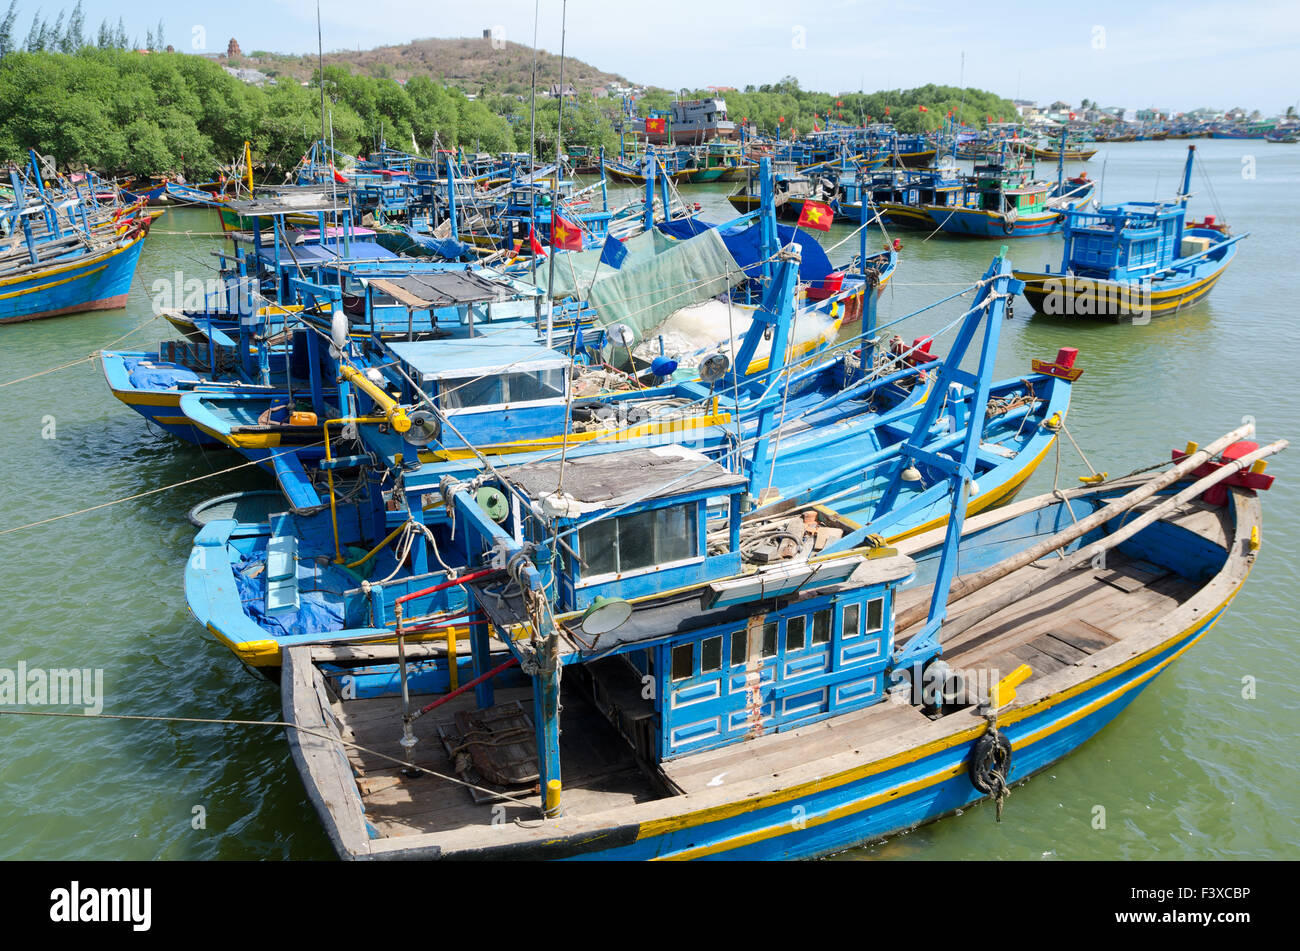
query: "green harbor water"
1195, 767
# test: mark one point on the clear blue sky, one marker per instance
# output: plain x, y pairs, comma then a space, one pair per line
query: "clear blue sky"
1175, 55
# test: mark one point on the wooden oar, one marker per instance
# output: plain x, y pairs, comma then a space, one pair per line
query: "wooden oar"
1156, 512
962, 587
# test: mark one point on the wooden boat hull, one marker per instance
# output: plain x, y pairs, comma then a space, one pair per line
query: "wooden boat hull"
906, 216
976, 223
886, 772
1068, 296
920, 159
1051, 155
99, 281
156, 395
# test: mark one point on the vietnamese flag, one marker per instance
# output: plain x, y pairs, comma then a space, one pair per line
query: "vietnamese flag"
922, 109
815, 129
655, 126
565, 235
536, 246
816, 215
886, 110
338, 177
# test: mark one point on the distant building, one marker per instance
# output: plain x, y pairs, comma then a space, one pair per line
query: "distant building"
568, 92
232, 48
253, 77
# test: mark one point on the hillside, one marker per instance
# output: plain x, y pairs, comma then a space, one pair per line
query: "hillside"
473, 65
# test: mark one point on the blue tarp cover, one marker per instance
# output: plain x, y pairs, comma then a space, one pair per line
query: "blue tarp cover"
742, 241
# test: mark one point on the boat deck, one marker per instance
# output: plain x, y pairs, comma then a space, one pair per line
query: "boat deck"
1058, 626
599, 769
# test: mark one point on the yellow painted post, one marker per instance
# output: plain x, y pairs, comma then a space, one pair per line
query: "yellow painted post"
1005, 690
451, 658
553, 799
334, 515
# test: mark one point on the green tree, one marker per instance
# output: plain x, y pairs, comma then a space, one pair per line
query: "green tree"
7, 28
74, 37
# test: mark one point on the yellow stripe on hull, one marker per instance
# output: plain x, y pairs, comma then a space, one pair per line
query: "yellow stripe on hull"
691, 820
554, 442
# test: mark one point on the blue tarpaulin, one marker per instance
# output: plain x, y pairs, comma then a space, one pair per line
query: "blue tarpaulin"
742, 241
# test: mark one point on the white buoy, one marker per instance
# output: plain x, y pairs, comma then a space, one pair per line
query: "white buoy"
339, 331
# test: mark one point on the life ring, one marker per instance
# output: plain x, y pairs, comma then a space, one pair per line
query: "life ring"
1009, 220
990, 763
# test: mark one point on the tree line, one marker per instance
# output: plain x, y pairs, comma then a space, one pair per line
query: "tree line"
122, 109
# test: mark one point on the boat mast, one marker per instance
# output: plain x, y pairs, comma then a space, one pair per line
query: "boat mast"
1187, 175
320, 71
1060, 160
990, 305
532, 151
555, 197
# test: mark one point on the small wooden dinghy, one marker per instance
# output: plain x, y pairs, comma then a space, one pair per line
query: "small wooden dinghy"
790, 708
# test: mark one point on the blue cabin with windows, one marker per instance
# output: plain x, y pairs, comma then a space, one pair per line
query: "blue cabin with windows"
1122, 242
726, 634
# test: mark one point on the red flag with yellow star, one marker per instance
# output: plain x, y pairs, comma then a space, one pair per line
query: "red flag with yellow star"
816, 215
565, 235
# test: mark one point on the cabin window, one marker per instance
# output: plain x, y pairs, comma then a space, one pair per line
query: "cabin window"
851, 622
821, 628
739, 648
769, 639
639, 540
875, 614
683, 661
711, 655
498, 389
794, 633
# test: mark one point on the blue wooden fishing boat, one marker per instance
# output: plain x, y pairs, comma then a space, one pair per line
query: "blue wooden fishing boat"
832, 431
1002, 202
66, 254
905, 198
1133, 261
697, 685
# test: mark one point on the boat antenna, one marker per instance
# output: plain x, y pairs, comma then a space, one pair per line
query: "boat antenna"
555, 198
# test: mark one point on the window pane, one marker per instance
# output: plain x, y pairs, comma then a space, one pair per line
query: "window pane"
636, 541
598, 546
821, 633
794, 631
683, 661
675, 538
852, 620
711, 655
875, 614
769, 639
469, 391
540, 385
739, 648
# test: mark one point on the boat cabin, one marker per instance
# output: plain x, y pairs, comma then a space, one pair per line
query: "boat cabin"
1128, 241
495, 388
731, 631
1003, 190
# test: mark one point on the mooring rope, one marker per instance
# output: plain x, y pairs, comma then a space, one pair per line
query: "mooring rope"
148, 492
219, 721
